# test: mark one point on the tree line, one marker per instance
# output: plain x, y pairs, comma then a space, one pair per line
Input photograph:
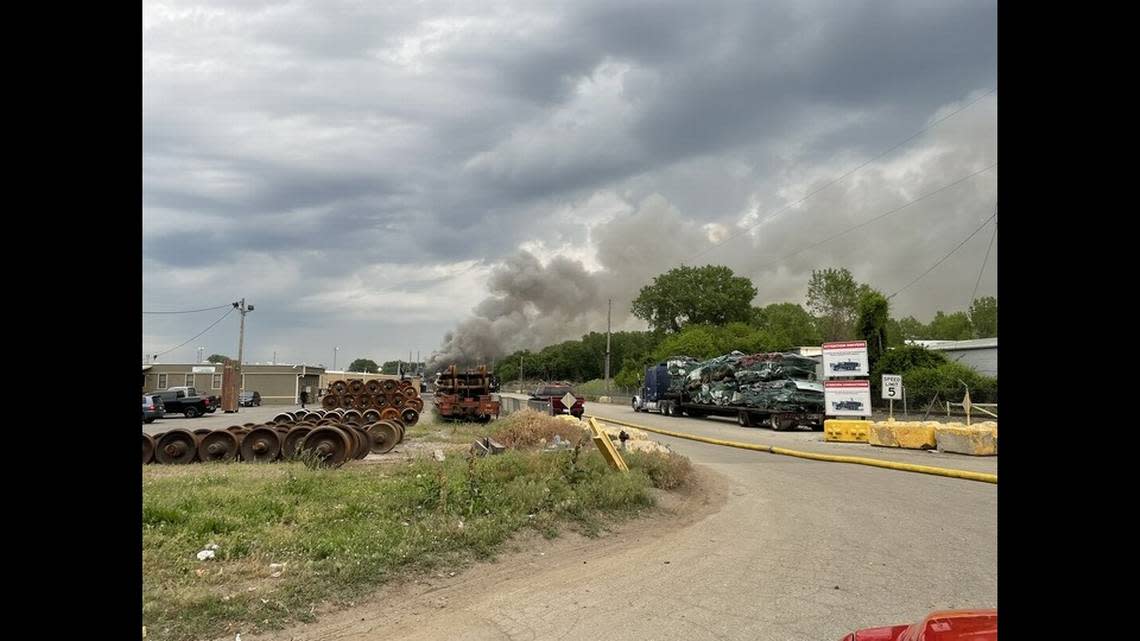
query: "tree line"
707, 311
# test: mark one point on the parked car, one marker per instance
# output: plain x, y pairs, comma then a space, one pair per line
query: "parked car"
184, 400
552, 394
951, 625
152, 408
249, 399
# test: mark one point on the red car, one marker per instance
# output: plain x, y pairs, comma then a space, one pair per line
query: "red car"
950, 625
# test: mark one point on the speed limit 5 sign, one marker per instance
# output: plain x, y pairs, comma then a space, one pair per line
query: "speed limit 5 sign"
892, 386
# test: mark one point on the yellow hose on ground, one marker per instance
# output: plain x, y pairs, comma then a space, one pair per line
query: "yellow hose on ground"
858, 460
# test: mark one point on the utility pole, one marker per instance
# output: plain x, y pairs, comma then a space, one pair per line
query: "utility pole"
244, 309
274, 357
609, 312
520, 375
335, 350
200, 350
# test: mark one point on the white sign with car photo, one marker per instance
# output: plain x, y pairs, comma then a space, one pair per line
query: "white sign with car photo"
845, 358
847, 398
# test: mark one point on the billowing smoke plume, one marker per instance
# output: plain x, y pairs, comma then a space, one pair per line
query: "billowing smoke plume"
533, 304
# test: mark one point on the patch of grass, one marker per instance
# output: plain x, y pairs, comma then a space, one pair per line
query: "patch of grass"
528, 428
665, 471
340, 533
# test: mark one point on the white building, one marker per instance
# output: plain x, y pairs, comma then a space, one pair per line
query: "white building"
979, 354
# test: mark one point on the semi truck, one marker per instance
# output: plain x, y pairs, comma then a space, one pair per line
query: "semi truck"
658, 395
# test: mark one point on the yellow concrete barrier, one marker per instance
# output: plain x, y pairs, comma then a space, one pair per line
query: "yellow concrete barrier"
914, 435
890, 465
971, 440
845, 430
880, 433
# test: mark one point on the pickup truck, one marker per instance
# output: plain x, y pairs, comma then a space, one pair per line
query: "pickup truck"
213, 402
185, 400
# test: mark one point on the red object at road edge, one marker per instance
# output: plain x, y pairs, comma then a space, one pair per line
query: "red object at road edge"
947, 625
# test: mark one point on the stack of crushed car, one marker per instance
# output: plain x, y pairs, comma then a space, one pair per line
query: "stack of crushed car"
328, 437
773, 381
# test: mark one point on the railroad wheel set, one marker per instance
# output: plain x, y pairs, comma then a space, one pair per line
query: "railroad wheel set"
395, 400
331, 436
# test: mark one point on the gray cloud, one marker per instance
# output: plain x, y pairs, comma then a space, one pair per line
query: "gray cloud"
294, 150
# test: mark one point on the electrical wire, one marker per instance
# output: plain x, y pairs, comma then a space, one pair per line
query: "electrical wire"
199, 333
192, 310
984, 261
941, 260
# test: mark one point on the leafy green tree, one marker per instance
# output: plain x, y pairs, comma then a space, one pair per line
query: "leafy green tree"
871, 325
787, 323
218, 358
699, 295
833, 297
389, 367
364, 365
951, 327
912, 329
983, 317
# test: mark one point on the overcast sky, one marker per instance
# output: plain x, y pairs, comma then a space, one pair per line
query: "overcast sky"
373, 175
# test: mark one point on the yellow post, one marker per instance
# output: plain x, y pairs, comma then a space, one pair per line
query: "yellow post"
606, 447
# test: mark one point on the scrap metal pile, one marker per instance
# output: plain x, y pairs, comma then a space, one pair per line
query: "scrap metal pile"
776, 382
466, 395
393, 399
331, 437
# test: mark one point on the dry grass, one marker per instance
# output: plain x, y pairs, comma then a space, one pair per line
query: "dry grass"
527, 428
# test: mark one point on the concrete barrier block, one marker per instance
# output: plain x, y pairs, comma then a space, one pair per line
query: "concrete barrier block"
971, 440
882, 433
914, 435
845, 430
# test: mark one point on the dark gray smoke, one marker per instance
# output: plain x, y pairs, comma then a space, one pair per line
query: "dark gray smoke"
533, 305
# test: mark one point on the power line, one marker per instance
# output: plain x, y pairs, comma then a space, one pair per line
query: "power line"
849, 173
941, 260
876, 218
192, 311
984, 261
201, 332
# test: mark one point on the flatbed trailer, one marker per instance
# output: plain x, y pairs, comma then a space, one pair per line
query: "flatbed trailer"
656, 397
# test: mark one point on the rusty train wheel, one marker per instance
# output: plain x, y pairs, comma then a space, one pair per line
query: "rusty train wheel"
397, 401
389, 413
148, 448
219, 445
292, 443
328, 401
410, 392
380, 401
329, 444
371, 416
372, 387
385, 435
389, 386
261, 445
356, 386
177, 446
286, 417
416, 403
410, 416
338, 387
